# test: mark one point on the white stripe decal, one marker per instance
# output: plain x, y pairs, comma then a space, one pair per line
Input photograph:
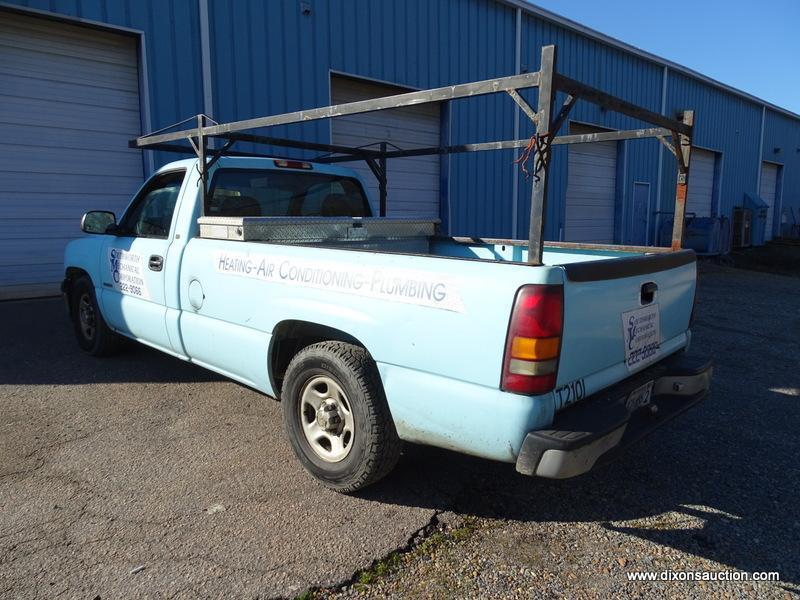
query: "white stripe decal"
408, 286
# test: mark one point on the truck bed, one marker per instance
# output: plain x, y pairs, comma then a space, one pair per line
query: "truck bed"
405, 236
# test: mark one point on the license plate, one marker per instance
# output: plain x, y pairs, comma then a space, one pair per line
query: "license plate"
640, 397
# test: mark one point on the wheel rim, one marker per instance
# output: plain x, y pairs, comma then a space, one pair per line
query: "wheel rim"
327, 418
87, 317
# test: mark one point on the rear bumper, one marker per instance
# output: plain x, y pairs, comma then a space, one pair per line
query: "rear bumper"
597, 429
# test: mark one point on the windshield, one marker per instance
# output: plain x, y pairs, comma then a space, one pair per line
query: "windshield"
279, 193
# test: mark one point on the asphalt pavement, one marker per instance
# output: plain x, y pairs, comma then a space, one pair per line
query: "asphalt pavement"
143, 476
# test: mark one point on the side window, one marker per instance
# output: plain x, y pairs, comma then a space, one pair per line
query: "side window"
150, 215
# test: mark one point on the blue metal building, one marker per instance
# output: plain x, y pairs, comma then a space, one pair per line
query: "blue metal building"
244, 58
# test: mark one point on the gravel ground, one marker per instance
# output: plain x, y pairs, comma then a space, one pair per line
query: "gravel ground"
143, 476
714, 490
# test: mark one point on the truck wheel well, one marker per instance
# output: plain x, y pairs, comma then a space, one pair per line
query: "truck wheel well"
290, 337
71, 275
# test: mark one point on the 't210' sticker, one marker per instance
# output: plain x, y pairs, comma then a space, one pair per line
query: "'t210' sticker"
569, 393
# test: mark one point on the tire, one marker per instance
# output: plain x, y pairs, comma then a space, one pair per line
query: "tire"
368, 446
93, 334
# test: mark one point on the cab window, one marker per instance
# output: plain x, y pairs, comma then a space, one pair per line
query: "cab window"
278, 193
150, 214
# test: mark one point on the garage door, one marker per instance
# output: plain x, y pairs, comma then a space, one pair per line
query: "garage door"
69, 101
591, 190
701, 183
767, 191
413, 183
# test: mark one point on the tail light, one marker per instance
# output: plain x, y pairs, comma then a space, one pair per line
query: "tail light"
533, 343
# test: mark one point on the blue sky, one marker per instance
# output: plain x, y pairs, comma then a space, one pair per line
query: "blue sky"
752, 46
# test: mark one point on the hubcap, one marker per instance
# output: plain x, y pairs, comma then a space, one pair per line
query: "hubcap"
86, 316
327, 418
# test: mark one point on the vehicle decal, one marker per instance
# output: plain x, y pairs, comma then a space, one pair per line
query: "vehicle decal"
642, 335
408, 286
569, 393
128, 273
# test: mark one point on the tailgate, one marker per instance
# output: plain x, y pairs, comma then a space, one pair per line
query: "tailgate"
621, 315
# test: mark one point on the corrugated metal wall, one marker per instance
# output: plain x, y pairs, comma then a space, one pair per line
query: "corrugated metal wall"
267, 58
270, 57
723, 123
612, 71
783, 133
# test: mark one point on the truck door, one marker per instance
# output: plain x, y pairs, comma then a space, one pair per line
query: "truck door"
134, 263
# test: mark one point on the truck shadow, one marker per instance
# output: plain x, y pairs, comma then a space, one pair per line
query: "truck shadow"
38, 347
716, 493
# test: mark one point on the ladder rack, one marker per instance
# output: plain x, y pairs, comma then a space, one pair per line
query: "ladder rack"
675, 134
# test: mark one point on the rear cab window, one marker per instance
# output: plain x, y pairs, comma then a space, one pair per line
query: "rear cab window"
284, 193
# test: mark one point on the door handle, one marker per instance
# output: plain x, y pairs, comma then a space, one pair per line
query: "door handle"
156, 263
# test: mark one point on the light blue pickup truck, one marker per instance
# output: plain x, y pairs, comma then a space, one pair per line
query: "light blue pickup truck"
373, 331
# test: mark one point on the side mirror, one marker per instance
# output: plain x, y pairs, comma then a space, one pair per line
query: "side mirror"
98, 221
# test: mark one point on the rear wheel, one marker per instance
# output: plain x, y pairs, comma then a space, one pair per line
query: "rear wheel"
336, 416
93, 334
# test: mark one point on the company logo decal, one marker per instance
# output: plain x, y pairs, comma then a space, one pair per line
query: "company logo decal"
642, 335
127, 273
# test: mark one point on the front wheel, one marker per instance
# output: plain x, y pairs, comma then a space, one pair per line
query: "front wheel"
93, 334
337, 418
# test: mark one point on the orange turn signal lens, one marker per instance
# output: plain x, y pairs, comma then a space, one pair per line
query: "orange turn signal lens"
534, 348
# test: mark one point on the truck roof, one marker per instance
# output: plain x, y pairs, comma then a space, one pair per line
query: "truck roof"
270, 163
252, 162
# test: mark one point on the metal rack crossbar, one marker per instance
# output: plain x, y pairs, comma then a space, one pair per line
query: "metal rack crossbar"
675, 134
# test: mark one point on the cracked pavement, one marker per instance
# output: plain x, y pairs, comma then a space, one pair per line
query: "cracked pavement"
141, 475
